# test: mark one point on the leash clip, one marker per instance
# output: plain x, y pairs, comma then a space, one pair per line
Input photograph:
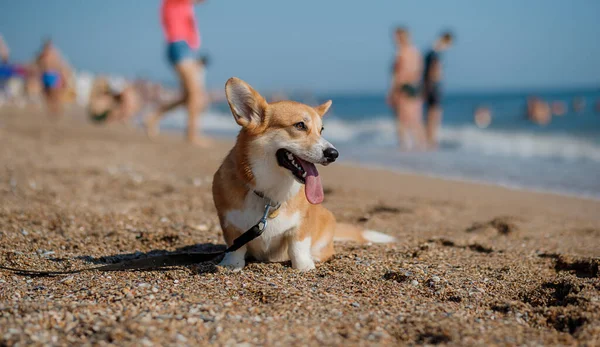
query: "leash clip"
262, 224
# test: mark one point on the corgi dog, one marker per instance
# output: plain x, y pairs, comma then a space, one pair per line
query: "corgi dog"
273, 160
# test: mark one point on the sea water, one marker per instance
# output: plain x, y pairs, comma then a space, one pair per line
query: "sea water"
562, 157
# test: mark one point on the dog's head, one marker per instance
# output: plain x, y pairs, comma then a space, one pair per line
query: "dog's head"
284, 139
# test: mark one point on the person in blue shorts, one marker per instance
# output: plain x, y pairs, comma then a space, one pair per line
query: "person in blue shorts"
183, 42
54, 74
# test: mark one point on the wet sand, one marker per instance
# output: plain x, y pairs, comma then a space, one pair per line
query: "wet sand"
475, 264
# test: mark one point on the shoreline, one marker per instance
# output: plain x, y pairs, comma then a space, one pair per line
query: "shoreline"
516, 187
353, 163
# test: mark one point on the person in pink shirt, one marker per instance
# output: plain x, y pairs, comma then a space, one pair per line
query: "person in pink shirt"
183, 41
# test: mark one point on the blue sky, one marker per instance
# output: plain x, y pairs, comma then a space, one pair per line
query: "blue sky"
325, 45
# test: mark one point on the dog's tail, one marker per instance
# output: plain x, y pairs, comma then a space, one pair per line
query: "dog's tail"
349, 232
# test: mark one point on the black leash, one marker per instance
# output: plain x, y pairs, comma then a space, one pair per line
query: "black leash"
164, 261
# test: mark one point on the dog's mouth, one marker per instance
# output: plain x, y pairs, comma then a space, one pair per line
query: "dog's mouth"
304, 172
291, 162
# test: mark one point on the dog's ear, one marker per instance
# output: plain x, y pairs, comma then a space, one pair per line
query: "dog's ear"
246, 104
322, 109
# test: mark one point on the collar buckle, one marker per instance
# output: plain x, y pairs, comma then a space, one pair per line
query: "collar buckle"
271, 208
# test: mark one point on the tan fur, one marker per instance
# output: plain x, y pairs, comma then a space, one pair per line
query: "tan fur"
235, 179
349, 232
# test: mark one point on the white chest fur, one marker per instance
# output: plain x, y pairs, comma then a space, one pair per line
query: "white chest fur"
252, 210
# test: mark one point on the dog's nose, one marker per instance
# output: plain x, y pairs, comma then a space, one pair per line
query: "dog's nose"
331, 154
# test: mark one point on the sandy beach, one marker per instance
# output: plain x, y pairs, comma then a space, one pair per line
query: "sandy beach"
474, 265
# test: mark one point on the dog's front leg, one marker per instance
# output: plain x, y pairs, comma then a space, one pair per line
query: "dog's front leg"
235, 260
299, 252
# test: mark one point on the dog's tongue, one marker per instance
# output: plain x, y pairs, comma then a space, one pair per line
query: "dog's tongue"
312, 186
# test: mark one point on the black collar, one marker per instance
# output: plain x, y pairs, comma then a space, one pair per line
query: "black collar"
274, 205
260, 194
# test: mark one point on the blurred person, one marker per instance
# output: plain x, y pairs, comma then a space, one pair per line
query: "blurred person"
404, 95
482, 117
558, 108
432, 79
6, 70
6, 74
55, 76
538, 111
112, 99
183, 41
11, 79
4, 51
33, 85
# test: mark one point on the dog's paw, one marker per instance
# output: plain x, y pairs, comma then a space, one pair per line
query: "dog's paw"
233, 262
303, 265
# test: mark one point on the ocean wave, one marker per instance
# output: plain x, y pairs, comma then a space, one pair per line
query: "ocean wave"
380, 132
518, 143
521, 144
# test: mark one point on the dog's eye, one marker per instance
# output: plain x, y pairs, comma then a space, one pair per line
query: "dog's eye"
322, 128
300, 126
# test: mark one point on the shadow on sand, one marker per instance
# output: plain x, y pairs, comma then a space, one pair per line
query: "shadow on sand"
204, 255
